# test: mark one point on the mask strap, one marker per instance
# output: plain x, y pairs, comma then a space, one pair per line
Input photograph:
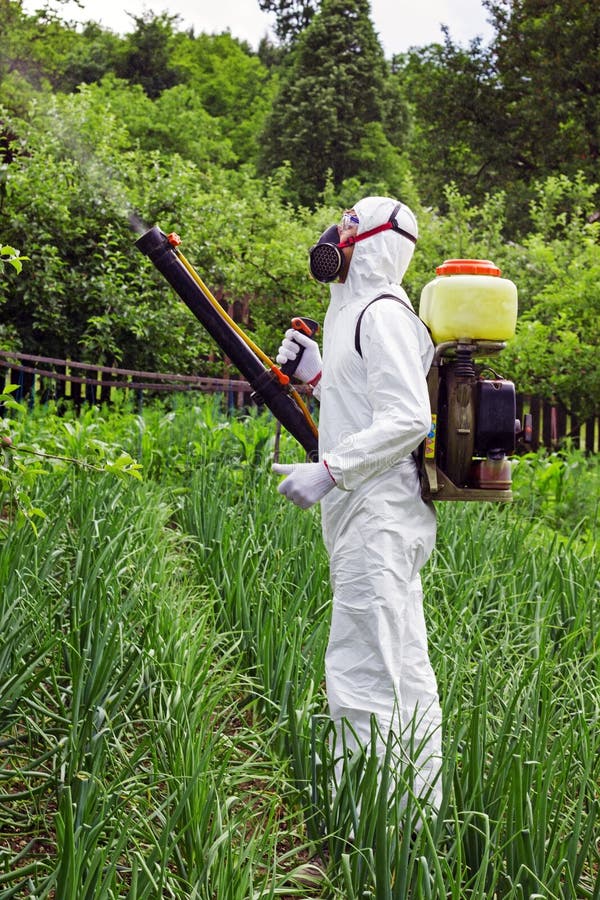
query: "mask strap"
354, 239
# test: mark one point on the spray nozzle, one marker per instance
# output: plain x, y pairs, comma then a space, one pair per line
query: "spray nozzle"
174, 239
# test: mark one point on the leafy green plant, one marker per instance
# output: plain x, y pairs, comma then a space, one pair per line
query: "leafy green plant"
163, 724
560, 489
24, 463
9, 256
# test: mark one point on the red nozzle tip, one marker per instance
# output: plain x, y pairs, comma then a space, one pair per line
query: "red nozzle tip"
281, 376
174, 239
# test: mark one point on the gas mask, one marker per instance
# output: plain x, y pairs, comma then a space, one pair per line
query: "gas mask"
326, 258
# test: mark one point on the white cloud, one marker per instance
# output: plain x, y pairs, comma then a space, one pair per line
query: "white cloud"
399, 23
405, 23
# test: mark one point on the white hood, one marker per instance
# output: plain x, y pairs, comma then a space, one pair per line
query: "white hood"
392, 250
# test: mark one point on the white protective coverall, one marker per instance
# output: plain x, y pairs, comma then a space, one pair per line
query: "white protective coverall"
378, 531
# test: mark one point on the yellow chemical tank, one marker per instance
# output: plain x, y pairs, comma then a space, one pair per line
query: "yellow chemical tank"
469, 300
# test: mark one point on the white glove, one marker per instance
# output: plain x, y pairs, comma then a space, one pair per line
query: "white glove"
306, 483
310, 365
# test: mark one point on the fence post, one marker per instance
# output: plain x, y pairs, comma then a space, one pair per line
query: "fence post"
548, 435
105, 388
90, 392
535, 408
575, 432
590, 435
561, 423
60, 386
75, 387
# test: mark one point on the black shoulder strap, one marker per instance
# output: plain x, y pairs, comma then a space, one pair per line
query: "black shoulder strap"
363, 311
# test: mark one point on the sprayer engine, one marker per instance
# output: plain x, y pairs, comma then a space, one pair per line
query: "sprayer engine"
474, 426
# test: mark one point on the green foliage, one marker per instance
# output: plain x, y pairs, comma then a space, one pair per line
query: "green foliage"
291, 16
87, 285
229, 83
381, 169
166, 127
330, 93
9, 256
508, 114
555, 354
62, 444
91, 294
456, 135
196, 604
547, 63
95, 53
35, 46
465, 231
147, 58
228, 95
560, 489
175, 123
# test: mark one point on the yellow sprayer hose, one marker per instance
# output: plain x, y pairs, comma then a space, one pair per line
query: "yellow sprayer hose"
250, 343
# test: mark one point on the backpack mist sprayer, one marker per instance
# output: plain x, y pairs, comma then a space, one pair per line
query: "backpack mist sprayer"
471, 312
270, 384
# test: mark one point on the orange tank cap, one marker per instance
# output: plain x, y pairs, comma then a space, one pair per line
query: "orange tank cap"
174, 239
467, 267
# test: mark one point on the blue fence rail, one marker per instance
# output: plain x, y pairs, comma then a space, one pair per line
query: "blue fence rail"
41, 378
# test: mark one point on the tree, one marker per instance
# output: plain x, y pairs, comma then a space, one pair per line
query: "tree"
548, 69
508, 114
33, 46
147, 59
457, 134
84, 294
556, 350
230, 83
332, 91
88, 293
291, 16
95, 52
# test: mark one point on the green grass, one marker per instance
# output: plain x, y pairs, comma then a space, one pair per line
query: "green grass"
163, 727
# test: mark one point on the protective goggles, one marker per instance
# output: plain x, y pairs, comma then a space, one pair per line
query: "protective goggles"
349, 220
326, 258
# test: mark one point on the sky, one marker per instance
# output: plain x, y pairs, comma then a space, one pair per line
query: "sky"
399, 23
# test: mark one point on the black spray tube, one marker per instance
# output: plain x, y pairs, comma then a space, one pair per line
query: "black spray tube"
155, 245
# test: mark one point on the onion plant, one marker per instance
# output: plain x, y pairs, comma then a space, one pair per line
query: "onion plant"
163, 720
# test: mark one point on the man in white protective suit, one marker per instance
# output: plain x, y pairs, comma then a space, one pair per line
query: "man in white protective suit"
374, 412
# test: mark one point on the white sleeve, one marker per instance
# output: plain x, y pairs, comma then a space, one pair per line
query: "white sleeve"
393, 353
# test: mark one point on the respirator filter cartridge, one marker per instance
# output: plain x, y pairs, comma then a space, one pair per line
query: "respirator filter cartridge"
325, 257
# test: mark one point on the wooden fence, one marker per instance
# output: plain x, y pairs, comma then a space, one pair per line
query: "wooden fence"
43, 378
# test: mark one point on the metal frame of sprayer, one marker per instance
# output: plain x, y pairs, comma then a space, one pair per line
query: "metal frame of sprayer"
474, 425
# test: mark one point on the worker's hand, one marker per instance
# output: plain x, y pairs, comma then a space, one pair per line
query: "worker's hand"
310, 365
306, 483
